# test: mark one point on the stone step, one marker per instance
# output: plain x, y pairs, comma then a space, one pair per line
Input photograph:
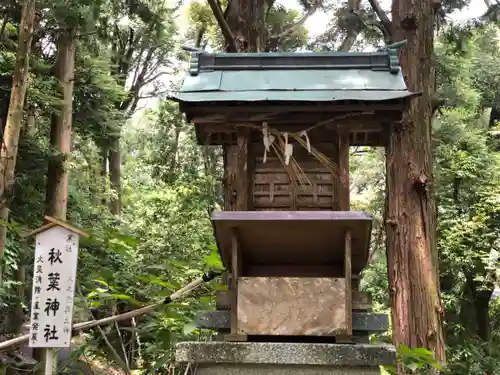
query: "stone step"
361, 321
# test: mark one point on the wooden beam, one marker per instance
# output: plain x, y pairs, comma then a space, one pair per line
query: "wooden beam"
357, 119
361, 301
224, 107
228, 139
359, 124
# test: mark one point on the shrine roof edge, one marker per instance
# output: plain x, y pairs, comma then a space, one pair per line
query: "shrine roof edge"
385, 60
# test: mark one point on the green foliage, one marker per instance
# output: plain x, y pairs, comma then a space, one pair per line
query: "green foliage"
416, 360
468, 61
467, 177
170, 185
279, 21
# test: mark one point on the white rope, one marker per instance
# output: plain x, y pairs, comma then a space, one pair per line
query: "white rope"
304, 134
288, 149
267, 139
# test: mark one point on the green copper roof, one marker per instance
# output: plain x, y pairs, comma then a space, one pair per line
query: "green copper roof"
312, 77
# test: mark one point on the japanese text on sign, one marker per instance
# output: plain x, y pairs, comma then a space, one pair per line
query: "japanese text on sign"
56, 257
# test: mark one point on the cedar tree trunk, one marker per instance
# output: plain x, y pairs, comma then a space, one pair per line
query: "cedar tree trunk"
60, 133
410, 211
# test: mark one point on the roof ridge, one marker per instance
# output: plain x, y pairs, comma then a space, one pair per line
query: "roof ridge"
385, 60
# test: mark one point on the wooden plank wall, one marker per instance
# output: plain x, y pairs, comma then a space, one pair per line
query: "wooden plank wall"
287, 306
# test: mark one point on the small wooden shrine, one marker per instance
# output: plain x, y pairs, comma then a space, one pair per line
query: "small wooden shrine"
294, 248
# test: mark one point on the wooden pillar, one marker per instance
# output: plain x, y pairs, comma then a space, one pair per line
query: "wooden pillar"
237, 174
236, 273
237, 197
348, 275
344, 193
344, 205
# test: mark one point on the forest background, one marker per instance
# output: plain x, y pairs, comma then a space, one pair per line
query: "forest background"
128, 168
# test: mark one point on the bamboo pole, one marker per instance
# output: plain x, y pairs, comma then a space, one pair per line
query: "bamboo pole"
9, 344
86, 325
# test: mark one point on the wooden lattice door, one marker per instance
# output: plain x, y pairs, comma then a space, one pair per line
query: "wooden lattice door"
273, 187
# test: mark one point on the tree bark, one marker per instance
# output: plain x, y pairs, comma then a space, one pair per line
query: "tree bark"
410, 211
8, 153
246, 22
60, 134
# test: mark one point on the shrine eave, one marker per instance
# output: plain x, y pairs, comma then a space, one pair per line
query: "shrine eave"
288, 96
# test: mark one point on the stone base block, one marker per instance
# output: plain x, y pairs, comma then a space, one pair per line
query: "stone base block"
227, 369
361, 321
259, 358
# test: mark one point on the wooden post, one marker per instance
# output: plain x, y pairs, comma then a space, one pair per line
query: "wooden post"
348, 275
235, 268
343, 139
347, 338
237, 197
236, 272
237, 179
49, 361
344, 205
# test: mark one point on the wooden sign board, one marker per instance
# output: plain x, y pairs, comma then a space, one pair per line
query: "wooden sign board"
54, 276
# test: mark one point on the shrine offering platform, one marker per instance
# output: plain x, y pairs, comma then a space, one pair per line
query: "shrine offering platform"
291, 271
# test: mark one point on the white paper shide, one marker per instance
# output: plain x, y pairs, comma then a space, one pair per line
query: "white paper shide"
54, 275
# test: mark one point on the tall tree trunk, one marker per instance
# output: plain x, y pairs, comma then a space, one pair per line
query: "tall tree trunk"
410, 211
245, 19
8, 153
104, 171
56, 200
115, 164
481, 295
60, 134
171, 175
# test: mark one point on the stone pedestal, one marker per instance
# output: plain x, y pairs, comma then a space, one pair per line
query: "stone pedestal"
258, 358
